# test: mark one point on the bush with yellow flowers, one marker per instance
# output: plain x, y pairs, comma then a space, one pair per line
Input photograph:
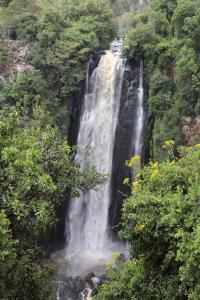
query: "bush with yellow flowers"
161, 224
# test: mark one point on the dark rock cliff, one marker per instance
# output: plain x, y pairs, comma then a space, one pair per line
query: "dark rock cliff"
124, 138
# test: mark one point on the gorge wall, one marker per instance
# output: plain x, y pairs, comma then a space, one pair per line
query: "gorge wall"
125, 137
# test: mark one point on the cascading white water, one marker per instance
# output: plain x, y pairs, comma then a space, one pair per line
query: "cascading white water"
140, 115
142, 4
87, 225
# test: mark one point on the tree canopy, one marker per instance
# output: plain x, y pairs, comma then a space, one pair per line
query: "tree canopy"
37, 172
161, 225
166, 37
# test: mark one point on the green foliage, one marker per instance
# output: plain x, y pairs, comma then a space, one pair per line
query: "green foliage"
61, 35
185, 9
141, 42
122, 6
37, 172
7, 252
65, 42
36, 175
124, 284
16, 10
2, 55
161, 225
165, 7
27, 90
161, 93
4, 2
168, 43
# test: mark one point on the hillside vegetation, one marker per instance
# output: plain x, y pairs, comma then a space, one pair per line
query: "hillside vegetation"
36, 168
166, 37
161, 225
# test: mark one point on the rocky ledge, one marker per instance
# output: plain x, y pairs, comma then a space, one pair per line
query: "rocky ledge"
80, 288
191, 130
15, 61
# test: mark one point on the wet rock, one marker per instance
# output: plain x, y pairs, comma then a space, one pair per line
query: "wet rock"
88, 279
89, 276
96, 282
71, 288
122, 257
124, 138
78, 288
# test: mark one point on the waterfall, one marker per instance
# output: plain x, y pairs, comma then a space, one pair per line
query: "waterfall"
87, 226
142, 4
140, 115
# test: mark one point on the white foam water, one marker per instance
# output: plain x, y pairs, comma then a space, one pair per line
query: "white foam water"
88, 243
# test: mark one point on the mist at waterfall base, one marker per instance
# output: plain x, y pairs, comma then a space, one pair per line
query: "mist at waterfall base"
89, 246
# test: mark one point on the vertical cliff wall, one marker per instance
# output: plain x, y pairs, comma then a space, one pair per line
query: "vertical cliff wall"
125, 136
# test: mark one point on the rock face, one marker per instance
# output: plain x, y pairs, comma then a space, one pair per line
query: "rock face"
124, 139
191, 130
79, 288
15, 61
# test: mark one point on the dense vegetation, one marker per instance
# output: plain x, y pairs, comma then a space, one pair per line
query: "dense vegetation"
36, 168
166, 37
62, 35
36, 173
161, 224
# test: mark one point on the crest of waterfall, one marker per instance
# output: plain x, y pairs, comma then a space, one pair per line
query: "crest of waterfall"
87, 225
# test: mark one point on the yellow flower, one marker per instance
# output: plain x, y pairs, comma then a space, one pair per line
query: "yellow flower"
141, 226
135, 160
115, 256
155, 166
197, 146
155, 173
168, 143
136, 184
126, 181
